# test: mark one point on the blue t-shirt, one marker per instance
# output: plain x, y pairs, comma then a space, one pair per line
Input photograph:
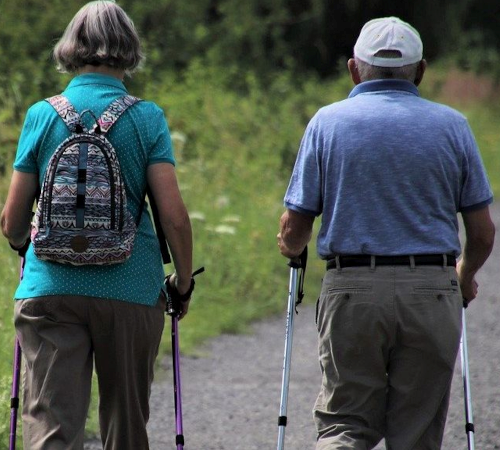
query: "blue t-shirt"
140, 138
388, 171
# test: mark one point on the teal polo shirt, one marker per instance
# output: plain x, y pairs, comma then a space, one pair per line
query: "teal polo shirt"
140, 137
388, 171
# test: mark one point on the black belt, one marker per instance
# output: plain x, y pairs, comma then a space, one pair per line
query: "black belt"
402, 260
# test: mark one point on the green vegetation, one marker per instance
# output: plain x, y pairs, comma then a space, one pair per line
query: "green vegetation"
233, 173
238, 84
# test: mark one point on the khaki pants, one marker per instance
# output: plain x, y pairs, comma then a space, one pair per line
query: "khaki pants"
61, 337
388, 340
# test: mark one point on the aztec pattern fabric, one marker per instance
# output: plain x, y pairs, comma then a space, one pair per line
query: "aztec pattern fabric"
82, 216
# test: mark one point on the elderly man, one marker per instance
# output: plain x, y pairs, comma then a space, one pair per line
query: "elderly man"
388, 171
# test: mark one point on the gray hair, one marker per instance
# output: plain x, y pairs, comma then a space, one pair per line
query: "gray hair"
101, 33
368, 72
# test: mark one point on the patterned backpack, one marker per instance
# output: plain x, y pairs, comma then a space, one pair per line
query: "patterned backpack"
82, 216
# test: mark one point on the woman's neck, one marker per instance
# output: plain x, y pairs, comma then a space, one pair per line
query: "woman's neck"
105, 70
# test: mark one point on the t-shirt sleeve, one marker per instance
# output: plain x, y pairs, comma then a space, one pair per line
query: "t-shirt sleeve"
476, 190
28, 143
304, 190
161, 148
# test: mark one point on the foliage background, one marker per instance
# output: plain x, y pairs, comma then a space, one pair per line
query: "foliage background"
238, 82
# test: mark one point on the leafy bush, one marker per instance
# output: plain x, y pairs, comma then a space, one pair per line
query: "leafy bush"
236, 156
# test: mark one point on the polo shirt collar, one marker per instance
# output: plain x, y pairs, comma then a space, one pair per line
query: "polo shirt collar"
96, 78
384, 85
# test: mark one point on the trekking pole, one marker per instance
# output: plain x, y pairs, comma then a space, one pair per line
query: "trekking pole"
469, 421
179, 432
16, 377
295, 295
14, 399
173, 310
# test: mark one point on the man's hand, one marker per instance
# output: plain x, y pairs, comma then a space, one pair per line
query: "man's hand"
284, 250
468, 283
479, 239
295, 233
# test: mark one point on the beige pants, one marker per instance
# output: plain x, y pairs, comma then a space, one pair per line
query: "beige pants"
61, 337
388, 340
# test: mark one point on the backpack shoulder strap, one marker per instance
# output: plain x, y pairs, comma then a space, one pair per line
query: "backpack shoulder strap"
114, 111
162, 240
67, 112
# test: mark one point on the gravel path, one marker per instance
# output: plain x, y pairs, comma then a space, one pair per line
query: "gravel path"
231, 394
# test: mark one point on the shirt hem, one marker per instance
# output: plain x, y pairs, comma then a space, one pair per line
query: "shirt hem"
477, 206
300, 210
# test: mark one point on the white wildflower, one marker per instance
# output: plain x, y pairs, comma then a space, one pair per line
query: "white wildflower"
197, 215
225, 229
231, 219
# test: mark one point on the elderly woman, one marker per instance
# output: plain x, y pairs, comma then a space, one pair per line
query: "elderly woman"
68, 317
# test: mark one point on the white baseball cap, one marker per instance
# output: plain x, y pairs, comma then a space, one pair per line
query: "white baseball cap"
388, 33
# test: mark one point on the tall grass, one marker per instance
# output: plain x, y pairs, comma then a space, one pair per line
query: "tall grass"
233, 172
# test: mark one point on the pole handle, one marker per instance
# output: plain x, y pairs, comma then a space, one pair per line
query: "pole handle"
300, 263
